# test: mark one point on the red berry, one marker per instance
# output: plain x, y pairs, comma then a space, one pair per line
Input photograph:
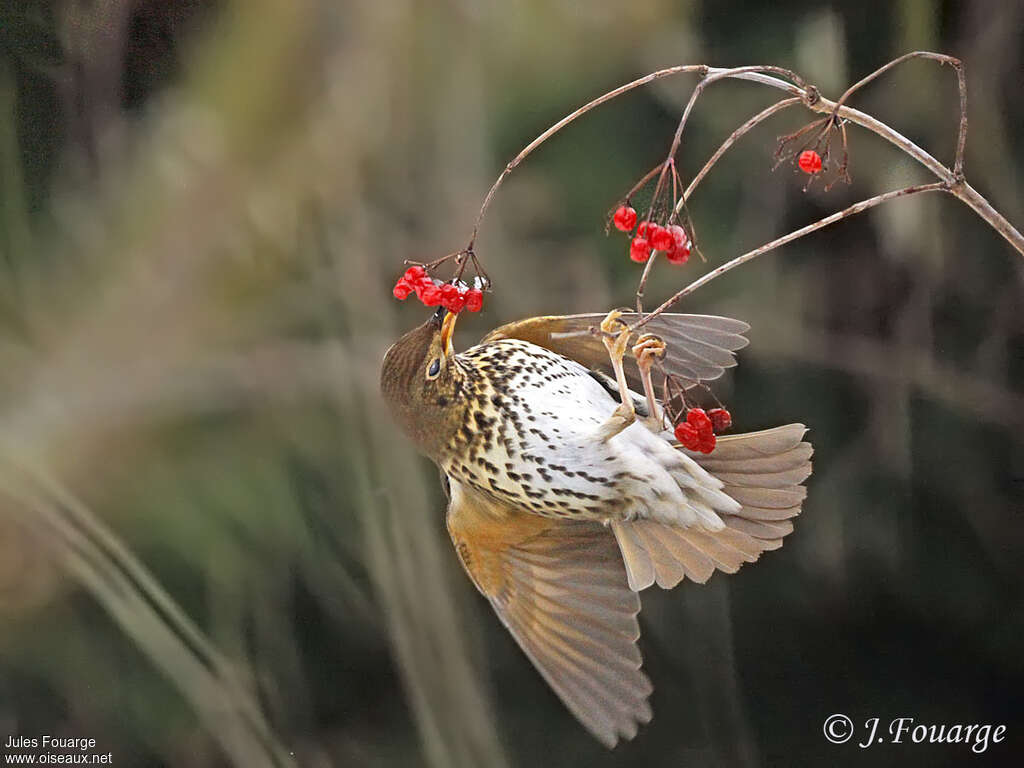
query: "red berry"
679, 253
414, 273
457, 302
661, 238
646, 229
696, 432
679, 236
624, 218
639, 249
809, 161
449, 294
687, 435
431, 295
701, 422
474, 299
721, 419
698, 417
402, 289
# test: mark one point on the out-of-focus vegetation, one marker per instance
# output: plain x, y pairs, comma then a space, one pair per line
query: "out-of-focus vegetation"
215, 548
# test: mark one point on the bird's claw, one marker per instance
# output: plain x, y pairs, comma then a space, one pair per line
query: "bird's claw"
649, 348
612, 322
614, 326
616, 335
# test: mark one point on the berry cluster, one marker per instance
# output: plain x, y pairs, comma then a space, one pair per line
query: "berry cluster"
819, 150
454, 297
672, 240
697, 433
809, 161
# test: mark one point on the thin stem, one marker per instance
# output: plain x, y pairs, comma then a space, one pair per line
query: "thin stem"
886, 67
652, 208
676, 183
863, 205
961, 141
681, 203
661, 73
643, 283
715, 75
957, 186
770, 76
958, 163
735, 136
643, 180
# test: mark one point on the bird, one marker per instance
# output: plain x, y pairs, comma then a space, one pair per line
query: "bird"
567, 495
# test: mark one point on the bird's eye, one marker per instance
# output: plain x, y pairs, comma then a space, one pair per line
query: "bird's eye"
434, 369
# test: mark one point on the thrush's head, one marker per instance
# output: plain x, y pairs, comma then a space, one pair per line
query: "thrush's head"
420, 382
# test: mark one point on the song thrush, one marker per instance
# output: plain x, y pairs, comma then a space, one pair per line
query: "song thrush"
563, 505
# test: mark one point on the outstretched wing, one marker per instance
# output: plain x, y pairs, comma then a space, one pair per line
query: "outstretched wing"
700, 347
560, 589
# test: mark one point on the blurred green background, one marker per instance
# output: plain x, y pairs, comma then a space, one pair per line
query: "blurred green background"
216, 549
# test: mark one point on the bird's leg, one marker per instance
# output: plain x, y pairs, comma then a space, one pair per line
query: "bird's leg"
617, 345
648, 350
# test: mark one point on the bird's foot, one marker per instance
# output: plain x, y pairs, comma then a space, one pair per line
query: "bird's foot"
648, 350
615, 334
621, 417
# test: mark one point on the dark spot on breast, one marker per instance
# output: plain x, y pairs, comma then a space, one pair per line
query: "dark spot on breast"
495, 487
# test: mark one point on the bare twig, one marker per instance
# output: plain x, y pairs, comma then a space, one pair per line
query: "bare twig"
715, 75
787, 80
958, 187
958, 163
863, 205
961, 141
661, 73
735, 136
632, 191
643, 180
712, 77
681, 202
643, 283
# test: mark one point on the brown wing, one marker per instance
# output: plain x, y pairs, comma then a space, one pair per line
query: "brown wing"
700, 347
560, 589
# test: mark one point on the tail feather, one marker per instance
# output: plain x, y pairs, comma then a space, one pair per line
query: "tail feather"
781, 479
770, 534
762, 471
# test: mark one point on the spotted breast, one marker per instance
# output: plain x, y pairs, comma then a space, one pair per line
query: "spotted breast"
529, 440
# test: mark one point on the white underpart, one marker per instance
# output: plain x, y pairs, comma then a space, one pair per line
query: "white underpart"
568, 406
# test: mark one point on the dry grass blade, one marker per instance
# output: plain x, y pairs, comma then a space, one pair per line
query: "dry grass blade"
94, 557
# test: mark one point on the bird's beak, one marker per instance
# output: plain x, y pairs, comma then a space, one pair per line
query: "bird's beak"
447, 329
